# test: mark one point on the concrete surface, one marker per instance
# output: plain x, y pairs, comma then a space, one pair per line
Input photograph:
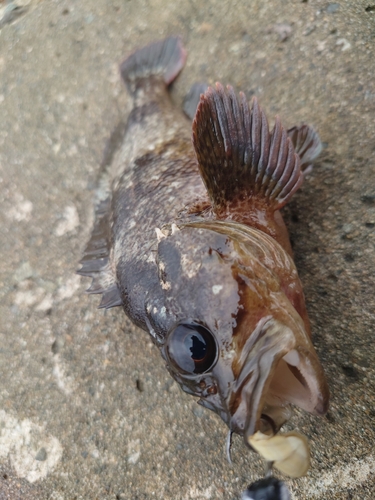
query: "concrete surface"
87, 409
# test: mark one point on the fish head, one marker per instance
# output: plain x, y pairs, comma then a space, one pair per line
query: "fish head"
228, 330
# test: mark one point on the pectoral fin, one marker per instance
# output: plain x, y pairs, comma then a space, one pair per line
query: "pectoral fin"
239, 159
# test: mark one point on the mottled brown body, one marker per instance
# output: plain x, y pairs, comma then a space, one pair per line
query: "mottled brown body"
160, 176
198, 254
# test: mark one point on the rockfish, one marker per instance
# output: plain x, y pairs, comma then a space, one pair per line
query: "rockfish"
190, 241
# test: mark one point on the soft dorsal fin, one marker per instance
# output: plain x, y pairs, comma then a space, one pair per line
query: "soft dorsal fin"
239, 159
307, 144
192, 98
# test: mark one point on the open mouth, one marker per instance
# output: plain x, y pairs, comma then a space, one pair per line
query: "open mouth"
278, 369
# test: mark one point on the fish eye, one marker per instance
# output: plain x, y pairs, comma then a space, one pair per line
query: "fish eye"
191, 348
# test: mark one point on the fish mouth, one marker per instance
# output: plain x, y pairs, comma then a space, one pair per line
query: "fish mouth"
279, 368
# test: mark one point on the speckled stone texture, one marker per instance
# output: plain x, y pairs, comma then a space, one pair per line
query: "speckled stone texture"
87, 409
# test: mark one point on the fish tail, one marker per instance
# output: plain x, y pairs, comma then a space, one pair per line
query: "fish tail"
163, 59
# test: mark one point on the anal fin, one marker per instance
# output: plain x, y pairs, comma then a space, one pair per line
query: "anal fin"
240, 160
95, 262
111, 297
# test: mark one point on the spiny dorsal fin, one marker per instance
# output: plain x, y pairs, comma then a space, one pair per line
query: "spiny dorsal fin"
239, 159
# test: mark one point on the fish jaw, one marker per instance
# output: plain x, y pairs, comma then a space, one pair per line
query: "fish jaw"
266, 360
280, 368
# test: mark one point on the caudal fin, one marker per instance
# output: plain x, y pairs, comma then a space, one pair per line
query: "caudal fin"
239, 159
164, 58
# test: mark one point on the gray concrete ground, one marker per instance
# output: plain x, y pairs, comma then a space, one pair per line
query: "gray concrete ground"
87, 409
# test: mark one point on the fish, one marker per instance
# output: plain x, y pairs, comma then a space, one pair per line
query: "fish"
189, 240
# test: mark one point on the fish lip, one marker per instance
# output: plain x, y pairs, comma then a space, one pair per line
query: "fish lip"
263, 353
269, 380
